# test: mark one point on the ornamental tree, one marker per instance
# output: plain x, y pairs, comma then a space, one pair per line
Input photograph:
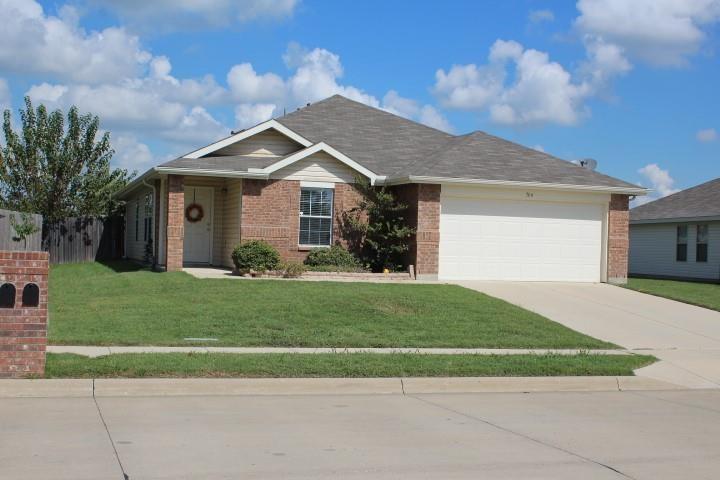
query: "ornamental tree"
57, 169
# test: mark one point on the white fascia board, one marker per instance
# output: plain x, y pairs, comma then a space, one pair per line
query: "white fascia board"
249, 133
511, 183
318, 147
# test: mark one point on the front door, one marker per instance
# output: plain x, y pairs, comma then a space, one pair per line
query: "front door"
198, 224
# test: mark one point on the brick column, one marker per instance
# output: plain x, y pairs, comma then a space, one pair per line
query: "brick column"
428, 231
618, 239
23, 326
175, 223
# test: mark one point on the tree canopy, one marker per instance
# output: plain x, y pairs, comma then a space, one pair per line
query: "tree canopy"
56, 168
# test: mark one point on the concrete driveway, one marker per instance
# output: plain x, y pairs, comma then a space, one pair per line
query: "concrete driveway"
686, 338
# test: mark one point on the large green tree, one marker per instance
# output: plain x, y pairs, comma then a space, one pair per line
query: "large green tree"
57, 168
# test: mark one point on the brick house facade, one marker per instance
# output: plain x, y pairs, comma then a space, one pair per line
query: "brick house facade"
514, 215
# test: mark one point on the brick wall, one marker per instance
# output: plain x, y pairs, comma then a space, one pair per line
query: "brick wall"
423, 201
175, 223
23, 329
271, 212
618, 238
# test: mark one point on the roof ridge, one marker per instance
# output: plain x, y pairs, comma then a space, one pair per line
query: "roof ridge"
365, 105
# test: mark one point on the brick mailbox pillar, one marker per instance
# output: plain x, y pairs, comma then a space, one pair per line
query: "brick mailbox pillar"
23, 313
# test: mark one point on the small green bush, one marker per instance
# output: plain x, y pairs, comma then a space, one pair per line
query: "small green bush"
335, 255
255, 255
293, 269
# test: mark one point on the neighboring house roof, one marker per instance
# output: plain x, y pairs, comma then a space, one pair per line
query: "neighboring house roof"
702, 201
397, 150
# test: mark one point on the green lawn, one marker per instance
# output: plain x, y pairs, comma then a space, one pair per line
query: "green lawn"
702, 294
337, 365
95, 304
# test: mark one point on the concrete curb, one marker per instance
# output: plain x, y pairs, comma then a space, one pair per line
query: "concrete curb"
152, 387
97, 351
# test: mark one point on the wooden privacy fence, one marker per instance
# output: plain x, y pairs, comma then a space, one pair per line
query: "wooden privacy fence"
9, 239
84, 239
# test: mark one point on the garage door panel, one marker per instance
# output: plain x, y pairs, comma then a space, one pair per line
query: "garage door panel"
519, 240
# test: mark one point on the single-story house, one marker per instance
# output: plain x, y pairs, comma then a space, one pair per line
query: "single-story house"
483, 207
678, 236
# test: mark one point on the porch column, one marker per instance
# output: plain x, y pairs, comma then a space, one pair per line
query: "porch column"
175, 223
428, 231
618, 239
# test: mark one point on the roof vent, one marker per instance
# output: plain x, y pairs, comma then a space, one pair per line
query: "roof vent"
588, 163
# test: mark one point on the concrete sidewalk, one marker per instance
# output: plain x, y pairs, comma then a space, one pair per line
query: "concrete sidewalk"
94, 351
144, 387
563, 436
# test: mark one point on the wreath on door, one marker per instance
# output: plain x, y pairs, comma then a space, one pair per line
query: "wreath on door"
194, 213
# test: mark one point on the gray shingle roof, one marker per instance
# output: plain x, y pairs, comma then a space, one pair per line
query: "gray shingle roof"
393, 146
700, 201
483, 156
232, 163
380, 141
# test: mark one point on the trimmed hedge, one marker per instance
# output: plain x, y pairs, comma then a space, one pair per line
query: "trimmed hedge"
255, 255
335, 256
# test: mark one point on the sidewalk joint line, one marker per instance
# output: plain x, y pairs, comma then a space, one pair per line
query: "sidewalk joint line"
107, 430
522, 435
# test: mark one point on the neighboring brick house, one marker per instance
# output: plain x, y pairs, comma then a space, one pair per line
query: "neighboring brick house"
484, 208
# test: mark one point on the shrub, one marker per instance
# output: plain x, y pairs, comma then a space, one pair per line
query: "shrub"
335, 256
379, 226
293, 269
255, 255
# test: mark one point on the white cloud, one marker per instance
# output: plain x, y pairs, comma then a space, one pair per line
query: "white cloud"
397, 105
36, 43
130, 153
172, 15
660, 180
706, 135
431, 117
539, 148
316, 76
250, 114
5, 99
247, 86
660, 32
537, 90
539, 16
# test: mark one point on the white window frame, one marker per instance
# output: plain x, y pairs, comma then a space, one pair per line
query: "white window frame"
317, 187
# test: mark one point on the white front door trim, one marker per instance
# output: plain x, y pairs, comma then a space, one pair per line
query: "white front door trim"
210, 218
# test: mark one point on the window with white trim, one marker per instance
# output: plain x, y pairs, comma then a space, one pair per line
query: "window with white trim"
701, 244
316, 208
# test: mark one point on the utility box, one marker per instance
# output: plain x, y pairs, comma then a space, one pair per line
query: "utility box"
23, 313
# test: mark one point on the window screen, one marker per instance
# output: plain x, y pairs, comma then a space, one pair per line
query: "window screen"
681, 247
316, 205
701, 245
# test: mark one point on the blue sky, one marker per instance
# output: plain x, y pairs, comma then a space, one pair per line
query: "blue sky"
631, 84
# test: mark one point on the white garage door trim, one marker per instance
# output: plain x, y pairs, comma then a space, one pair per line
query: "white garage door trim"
519, 235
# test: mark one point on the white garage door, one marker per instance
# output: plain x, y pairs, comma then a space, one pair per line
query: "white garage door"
487, 239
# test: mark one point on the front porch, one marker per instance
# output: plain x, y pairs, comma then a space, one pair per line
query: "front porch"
201, 216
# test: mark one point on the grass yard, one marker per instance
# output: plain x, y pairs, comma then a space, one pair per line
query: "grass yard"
337, 365
118, 304
701, 294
